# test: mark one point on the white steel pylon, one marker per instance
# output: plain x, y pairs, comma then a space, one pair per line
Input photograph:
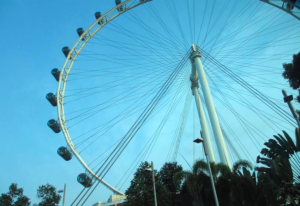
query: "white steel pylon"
201, 115
199, 74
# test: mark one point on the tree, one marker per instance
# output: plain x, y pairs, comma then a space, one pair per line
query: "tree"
140, 191
167, 176
185, 196
6, 200
234, 188
14, 197
292, 73
277, 166
198, 183
49, 195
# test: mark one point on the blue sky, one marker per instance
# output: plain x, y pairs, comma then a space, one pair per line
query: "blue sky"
33, 33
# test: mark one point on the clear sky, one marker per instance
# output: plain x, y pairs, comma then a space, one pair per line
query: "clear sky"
258, 40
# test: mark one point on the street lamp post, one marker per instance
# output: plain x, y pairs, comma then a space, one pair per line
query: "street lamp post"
201, 140
153, 179
64, 191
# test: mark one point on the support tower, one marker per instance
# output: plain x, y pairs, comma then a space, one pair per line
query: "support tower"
199, 74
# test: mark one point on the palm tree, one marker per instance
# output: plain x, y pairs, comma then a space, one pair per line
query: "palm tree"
280, 153
196, 180
234, 188
199, 186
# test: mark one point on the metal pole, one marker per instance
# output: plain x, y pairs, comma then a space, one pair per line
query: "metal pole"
193, 133
203, 123
288, 100
153, 178
65, 188
211, 176
195, 56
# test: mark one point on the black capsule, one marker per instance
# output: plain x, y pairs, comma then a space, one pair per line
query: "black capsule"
80, 31
84, 179
64, 153
120, 8
55, 72
291, 4
54, 125
66, 51
98, 15
52, 99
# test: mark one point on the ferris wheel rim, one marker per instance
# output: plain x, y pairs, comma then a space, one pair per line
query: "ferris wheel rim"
67, 66
289, 11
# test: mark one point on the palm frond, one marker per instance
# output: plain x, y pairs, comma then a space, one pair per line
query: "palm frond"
200, 166
239, 164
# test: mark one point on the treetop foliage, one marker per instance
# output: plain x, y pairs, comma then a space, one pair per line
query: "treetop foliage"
140, 191
49, 195
14, 197
241, 186
292, 73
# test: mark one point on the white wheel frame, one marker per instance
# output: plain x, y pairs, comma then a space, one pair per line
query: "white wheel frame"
283, 6
64, 73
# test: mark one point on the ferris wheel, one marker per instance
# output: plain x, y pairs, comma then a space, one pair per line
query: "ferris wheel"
130, 75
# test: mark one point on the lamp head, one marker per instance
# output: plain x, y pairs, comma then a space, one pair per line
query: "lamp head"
149, 169
199, 140
60, 191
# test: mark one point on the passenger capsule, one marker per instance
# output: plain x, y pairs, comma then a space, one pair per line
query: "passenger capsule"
290, 5
98, 15
66, 51
120, 8
64, 153
55, 72
52, 99
54, 125
85, 180
80, 31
